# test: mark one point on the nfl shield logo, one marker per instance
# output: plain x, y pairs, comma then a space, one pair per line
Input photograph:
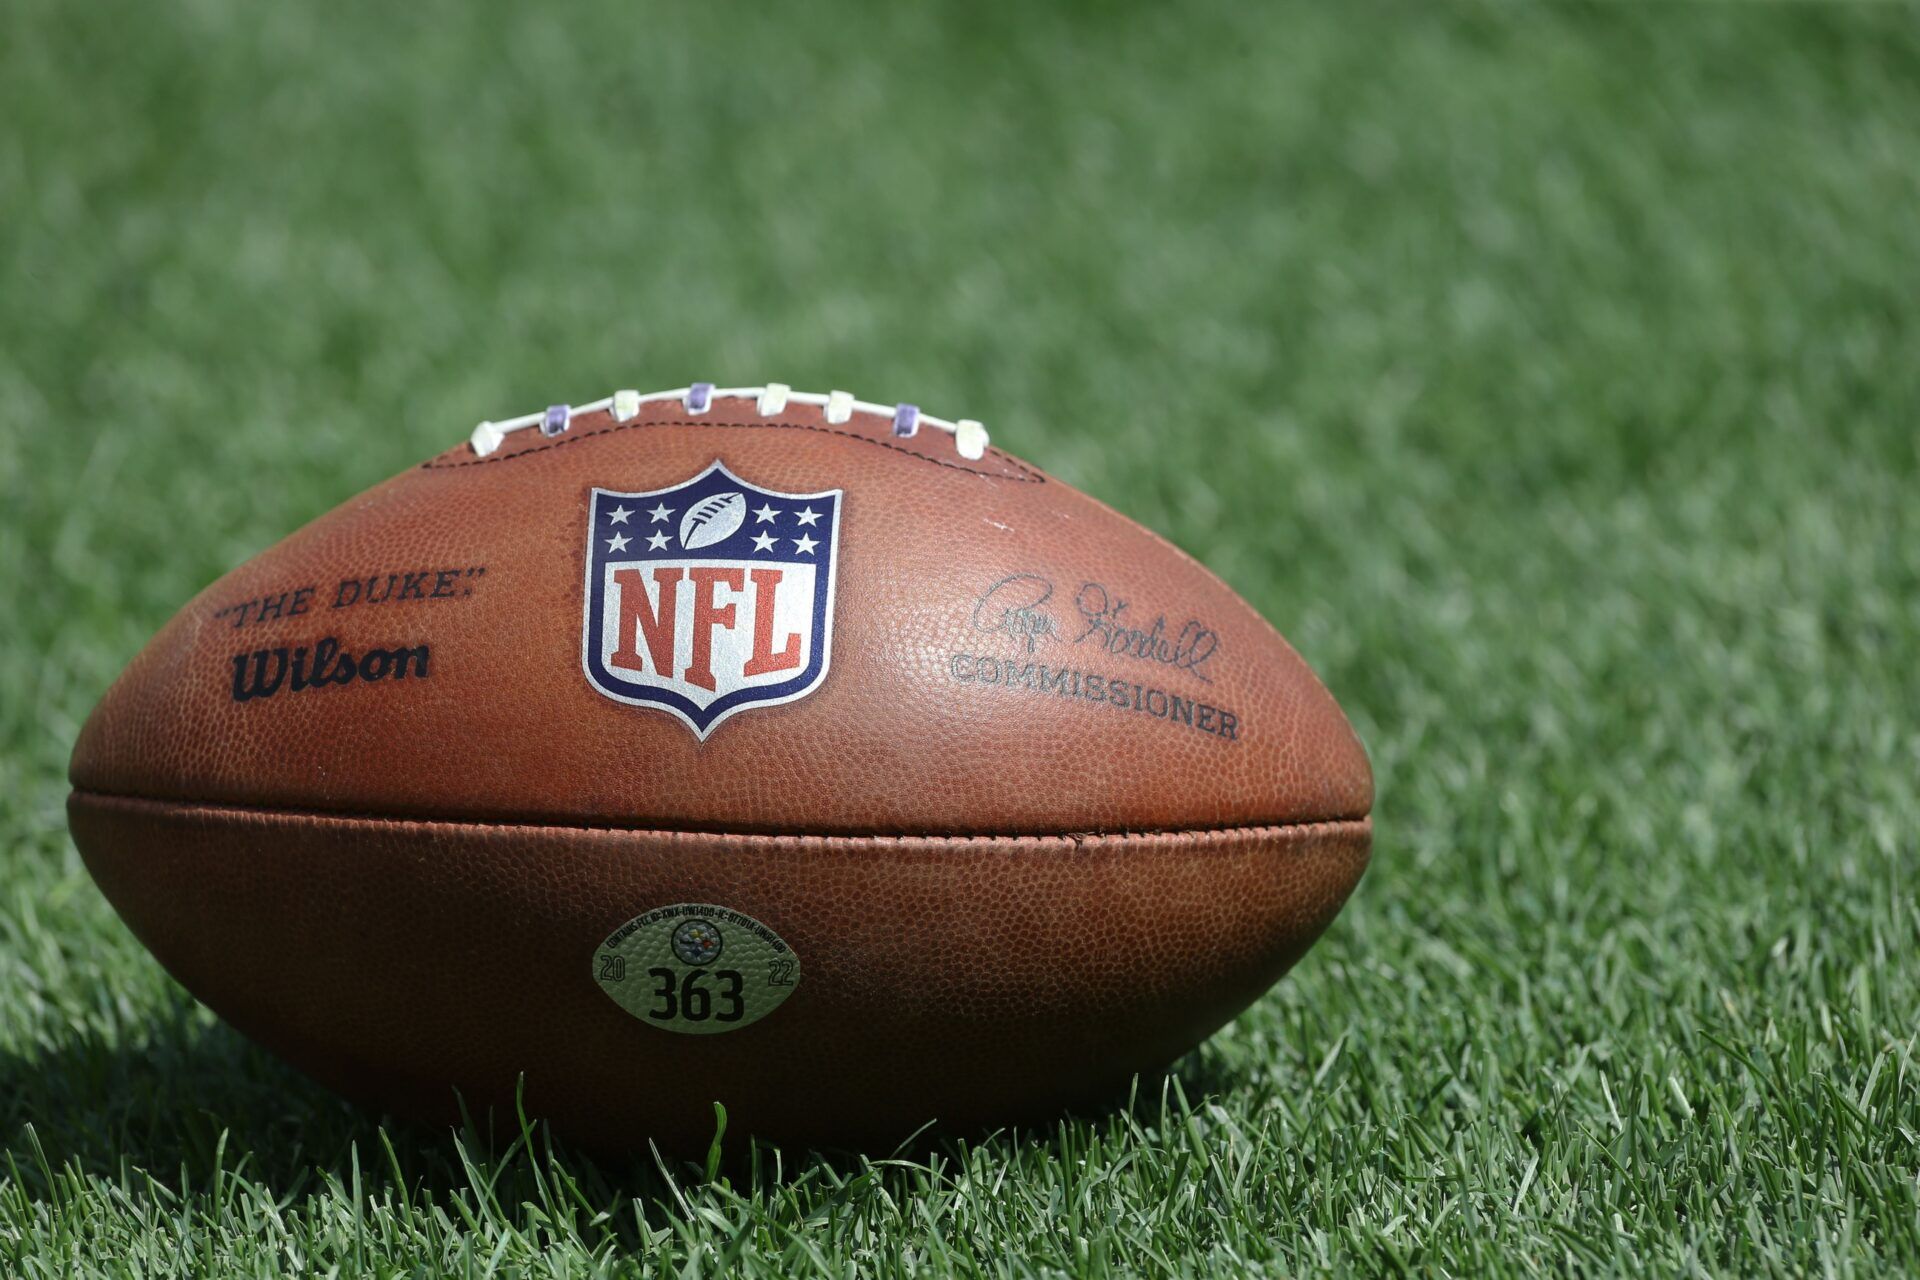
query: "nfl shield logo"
709, 597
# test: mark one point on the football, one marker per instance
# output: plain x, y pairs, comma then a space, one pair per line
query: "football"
787, 752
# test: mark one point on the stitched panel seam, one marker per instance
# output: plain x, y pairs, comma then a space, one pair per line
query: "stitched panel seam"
1041, 837
1024, 474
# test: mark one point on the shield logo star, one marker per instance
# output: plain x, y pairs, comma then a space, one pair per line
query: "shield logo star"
709, 597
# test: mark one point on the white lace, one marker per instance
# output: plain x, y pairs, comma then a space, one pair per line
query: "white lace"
969, 437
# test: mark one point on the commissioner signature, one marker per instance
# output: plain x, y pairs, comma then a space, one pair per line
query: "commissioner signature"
1015, 607
1104, 615
1019, 607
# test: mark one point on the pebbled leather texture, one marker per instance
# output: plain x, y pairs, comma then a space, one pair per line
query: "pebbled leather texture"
1010, 889
969, 981
507, 727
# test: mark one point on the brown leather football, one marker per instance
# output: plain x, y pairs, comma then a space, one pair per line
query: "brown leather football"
740, 746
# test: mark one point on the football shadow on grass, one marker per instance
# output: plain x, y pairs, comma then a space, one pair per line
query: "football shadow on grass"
192, 1100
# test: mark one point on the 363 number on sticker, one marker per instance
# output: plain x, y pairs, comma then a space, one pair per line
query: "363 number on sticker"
696, 968
686, 996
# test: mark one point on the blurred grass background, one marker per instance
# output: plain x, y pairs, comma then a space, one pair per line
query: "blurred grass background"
1547, 374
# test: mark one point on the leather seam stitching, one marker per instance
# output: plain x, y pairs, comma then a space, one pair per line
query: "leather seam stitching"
1073, 837
1025, 474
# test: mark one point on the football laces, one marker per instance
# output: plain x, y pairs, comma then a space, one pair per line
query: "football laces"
969, 436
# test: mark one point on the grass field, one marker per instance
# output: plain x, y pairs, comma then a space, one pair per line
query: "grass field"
1551, 377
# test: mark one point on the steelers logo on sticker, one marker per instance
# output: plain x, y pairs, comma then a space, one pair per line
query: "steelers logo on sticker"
696, 968
697, 942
